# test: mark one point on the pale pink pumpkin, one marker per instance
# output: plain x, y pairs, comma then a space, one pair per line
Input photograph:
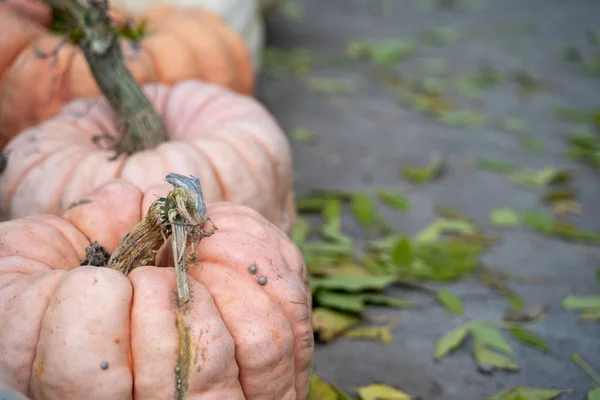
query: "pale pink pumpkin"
71, 331
228, 140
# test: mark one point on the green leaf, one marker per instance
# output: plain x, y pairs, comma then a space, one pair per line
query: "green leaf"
379, 333
594, 394
529, 337
365, 210
485, 357
538, 221
379, 299
402, 254
489, 336
590, 315
598, 274
301, 231
421, 175
352, 283
303, 135
328, 324
541, 178
379, 391
450, 341
292, 10
528, 393
450, 301
504, 217
394, 200
432, 232
321, 390
492, 165
581, 302
330, 85
340, 301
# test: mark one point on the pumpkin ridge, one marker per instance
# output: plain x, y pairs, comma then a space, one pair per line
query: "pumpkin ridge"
60, 233
209, 160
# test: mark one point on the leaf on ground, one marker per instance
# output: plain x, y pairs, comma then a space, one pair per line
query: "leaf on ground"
528, 393
353, 283
450, 341
581, 302
492, 165
321, 390
463, 118
332, 228
301, 230
594, 394
378, 333
327, 324
383, 54
433, 231
590, 315
490, 336
450, 301
330, 86
530, 338
347, 302
421, 175
504, 217
282, 63
538, 221
379, 391
303, 135
515, 125
394, 200
402, 253
382, 300
486, 358
365, 210
524, 315
540, 178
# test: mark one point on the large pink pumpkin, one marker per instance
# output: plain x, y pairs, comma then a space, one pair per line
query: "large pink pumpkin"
84, 332
228, 140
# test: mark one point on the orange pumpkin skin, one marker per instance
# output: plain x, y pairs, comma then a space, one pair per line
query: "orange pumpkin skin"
181, 43
228, 140
73, 331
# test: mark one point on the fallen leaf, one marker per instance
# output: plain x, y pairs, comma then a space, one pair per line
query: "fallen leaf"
524, 315
321, 390
433, 231
540, 178
463, 118
379, 391
301, 230
365, 210
590, 315
421, 175
450, 301
345, 302
487, 358
594, 394
292, 10
303, 135
581, 302
538, 221
352, 283
382, 300
394, 200
490, 336
327, 324
530, 338
379, 333
528, 393
330, 86
402, 253
504, 217
450, 341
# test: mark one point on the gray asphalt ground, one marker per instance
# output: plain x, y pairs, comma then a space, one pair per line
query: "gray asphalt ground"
365, 136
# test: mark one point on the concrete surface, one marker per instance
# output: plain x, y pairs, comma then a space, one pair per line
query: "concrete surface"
364, 137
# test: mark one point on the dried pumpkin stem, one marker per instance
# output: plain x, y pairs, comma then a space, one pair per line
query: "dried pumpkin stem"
101, 47
182, 212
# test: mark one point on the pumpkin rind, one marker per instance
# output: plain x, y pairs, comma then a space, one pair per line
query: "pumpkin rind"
181, 43
74, 332
230, 141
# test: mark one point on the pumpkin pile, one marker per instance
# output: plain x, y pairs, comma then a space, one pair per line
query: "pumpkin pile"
148, 200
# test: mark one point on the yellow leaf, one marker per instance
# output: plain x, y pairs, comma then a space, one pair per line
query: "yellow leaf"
381, 333
380, 391
328, 324
320, 390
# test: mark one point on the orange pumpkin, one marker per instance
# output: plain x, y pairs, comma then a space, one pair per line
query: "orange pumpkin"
180, 43
74, 332
230, 141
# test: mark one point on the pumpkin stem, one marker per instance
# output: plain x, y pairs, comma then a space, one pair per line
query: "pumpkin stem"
100, 44
182, 212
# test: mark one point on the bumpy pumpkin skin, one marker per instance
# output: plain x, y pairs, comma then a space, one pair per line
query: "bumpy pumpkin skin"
181, 43
62, 323
230, 141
